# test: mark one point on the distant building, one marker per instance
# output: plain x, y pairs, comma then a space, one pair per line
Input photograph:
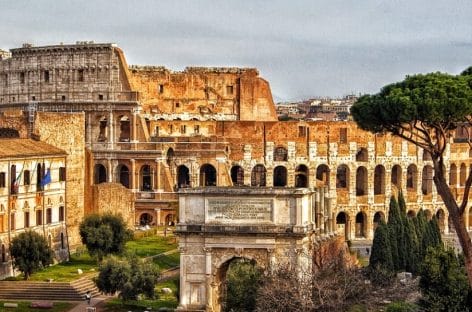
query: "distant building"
4, 54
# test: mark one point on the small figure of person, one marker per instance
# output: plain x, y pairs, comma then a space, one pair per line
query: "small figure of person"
88, 297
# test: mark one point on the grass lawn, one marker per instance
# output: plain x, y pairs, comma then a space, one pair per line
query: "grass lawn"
164, 300
151, 245
167, 261
23, 306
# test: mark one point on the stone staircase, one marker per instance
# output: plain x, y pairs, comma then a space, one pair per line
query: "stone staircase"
74, 291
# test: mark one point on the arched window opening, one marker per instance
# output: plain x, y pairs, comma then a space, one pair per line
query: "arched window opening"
103, 125
258, 176
170, 156
453, 175
280, 176
207, 175
124, 129
463, 175
428, 214
411, 214
362, 154
301, 176
280, 154
124, 176
100, 174
183, 176
342, 177
427, 180
145, 219
361, 181
237, 175
322, 175
397, 176
379, 180
146, 178
360, 225
411, 177
378, 216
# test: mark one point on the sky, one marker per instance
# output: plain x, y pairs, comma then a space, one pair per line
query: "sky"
303, 48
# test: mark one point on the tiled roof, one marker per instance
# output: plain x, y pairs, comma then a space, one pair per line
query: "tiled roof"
17, 148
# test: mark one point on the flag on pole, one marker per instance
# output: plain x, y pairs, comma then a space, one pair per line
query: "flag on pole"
47, 178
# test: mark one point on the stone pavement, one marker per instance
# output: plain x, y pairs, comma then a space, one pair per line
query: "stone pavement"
82, 306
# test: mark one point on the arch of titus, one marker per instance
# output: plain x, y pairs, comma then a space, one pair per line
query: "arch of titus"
271, 226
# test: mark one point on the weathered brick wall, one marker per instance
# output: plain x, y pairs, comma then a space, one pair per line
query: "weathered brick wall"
14, 119
67, 131
114, 198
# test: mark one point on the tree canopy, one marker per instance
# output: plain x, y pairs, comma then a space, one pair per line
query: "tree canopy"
30, 252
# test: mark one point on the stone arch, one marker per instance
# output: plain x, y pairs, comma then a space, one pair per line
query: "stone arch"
125, 132
396, 177
441, 220
183, 176
9, 133
427, 180
123, 175
453, 175
428, 214
100, 174
362, 154
411, 177
378, 216
361, 225
145, 177
411, 213
258, 175
342, 177
170, 155
207, 175
102, 129
280, 176
462, 174
379, 180
145, 219
342, 223
322, 175
237, 175
169, 219
280, 153
361, 181
301, 176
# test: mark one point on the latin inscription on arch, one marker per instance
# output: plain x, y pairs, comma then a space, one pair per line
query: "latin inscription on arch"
239, 210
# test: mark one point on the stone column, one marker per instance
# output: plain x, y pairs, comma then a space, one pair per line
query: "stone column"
111, 130
110, 171
208, 277
157, 186
133, 175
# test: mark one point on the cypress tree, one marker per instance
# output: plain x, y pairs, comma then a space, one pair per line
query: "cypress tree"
402, 205
411, 248
381, 255
435, 233
395, 233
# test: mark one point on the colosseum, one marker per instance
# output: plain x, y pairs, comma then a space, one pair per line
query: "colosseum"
136, 135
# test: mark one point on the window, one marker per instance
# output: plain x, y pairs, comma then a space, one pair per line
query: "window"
183, 129
27, 219
22, 77
12, 221
2, 179
33, 98
177, 104
280, 154
80, 75
63, 98
46, 76
229, 90
62, 173
301, 131
26, 177
196, 129
48, 216
39, 217
160, 88
343, 135
100, 97
61, 213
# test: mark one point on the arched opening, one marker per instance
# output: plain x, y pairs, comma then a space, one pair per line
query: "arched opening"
362, 154
258, 175
428, 214
441, 220
397, 176
301, 176
170, 156
9, 133
361, 181
183, 176
123, 172
100, 174
343, 224
102, 126
379, 180
411, 214
207, 175
280, 176
322, 175
239, 283
378, 216
280, 154
463, 175
170, 219
411, 177
124, 129
453, 175
360, 225
145, 219
342, 177
237, 175
427, 180
146, 178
